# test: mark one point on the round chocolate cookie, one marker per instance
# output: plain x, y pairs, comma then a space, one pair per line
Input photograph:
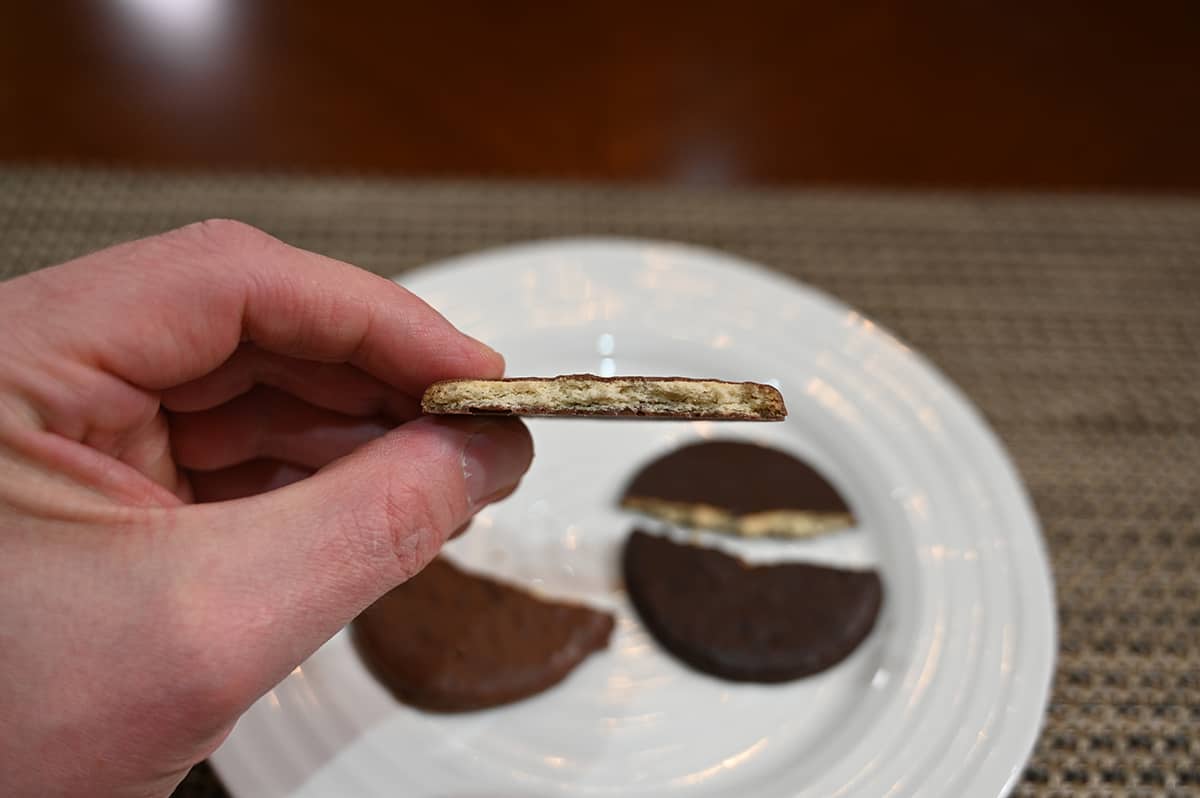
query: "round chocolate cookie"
448, 640
740, 487
749, 623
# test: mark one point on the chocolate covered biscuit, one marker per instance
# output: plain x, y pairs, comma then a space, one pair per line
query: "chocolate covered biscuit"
748, 623
448, 640
739, 487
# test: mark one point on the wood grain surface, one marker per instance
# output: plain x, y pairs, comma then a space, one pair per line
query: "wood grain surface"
1101, 94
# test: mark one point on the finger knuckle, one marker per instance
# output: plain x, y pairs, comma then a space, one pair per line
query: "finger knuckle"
417, 520
222, 236
207, 679
215, 688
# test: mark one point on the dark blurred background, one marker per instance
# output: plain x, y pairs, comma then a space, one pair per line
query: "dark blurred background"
1061, 95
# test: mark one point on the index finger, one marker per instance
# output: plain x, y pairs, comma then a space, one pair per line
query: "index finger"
174, 307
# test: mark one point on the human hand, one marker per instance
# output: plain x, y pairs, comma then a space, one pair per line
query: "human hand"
215, 365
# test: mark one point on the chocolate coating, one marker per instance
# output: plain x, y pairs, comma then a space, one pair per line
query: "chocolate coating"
738, 477
448, 640
750, 623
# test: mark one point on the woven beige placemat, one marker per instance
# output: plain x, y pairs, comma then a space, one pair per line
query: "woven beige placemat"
1073, 322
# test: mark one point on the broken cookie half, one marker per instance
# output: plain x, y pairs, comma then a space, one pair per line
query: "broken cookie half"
450, 640
748, 623
738, 487
619, 397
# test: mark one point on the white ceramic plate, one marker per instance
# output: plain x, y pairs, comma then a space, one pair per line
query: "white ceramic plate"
945, 697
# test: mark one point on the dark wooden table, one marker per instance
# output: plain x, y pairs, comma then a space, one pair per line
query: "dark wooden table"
1102, 94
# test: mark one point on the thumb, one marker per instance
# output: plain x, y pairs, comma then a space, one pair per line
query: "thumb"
267, 579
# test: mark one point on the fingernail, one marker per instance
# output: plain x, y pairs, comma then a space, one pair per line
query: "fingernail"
494, 459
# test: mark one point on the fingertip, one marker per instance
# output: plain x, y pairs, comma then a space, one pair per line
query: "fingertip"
495, 458
509, 431
495, 451
498, 365
485, 362
505, 432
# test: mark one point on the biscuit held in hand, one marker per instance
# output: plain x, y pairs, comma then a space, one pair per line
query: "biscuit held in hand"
277, 388
617, 397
